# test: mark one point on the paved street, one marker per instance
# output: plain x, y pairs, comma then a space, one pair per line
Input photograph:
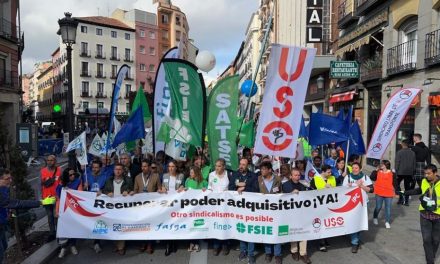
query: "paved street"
399, 245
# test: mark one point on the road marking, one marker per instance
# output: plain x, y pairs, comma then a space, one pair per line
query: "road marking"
200, 257
38, 177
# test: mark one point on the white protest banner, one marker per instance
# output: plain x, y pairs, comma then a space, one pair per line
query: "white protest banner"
283, 100
195, 214
389, 121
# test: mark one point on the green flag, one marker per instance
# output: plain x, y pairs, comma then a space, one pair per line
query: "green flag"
187, 92
164, 133
141, 100
222, 123
247, 134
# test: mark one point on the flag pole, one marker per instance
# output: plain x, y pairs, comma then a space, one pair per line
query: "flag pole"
346, 155
263, 48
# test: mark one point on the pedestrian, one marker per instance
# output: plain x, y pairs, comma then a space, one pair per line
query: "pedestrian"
405, 168
357, 178
70, 180
118, 184
298, 249
49, 181
269, 184
339, 171
5, 204
331, 161
385, 189
429, 211
319, 182
218, 181
147, 181
244, 180
301, 166
423, 158
131, 169
285, 173
317, 162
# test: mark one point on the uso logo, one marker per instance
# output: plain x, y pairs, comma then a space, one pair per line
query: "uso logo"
377, 147
405, 94
334, 222
316, 223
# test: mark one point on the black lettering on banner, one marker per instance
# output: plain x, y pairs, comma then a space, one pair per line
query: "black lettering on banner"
99, 203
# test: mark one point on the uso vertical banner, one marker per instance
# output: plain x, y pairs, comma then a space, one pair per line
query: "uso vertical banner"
389, 121
286, 87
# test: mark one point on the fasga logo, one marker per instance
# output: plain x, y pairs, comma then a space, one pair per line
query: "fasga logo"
100, 228
334, 222
316, 223
405, 94
170, 227
377, 147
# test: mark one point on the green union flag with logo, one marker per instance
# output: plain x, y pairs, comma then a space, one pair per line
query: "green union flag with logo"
187, 92
222, 121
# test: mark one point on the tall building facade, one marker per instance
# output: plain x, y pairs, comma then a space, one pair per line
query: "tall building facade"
11, 47
102, 46
146, 44
25, 82
45, 94
59, 98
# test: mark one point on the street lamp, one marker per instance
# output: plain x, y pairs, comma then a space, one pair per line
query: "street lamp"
67, 31
320, 82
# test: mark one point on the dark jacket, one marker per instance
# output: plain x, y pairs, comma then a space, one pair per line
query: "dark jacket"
422, 153
276, 185
405, 162
7, 203
250, 178
133, 171
289, 186
127, 185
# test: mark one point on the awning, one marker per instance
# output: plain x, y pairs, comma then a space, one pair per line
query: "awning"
101, 111
352, 46
434, 100
342, 97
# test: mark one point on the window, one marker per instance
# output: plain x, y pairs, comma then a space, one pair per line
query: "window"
84, 68
114, 34
151, 68
3, 69
127, 55
142, 49
100, 90
165, 18
408, 37
99, 70
114, 53
127, 90
100, 104
127, 36
143, 85
178, 34
99, 31
142, 33
152, 34
117, 108
127, 107
165, 34
152, 51
84, 48
178, 20
83, 29
99, 53
164, 49
85, 88
85, 105
114, 70
142, 67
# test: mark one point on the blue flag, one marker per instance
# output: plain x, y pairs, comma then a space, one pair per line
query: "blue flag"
341, 114
349, 116
325, 129
357, 145
133, 129
303, 130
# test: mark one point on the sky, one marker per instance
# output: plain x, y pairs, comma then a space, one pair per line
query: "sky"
218, 26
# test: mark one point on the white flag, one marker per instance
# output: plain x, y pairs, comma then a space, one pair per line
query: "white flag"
310, 171
96, 146
177, 150
117, 125
79, 144
76, 143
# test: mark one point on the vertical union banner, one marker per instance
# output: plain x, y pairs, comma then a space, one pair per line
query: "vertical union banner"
286, 87
188, 99
222, 121
389, 121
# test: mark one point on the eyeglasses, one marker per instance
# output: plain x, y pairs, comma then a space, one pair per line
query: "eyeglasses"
71, 174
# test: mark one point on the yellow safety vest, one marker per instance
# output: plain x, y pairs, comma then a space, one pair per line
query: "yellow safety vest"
425, 186
320, 182
48, 200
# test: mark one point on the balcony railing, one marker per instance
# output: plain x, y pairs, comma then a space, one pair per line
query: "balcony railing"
85, 53
115, 57
432, 48
402, 58
345, 12
100, 55
371, 69
7, 80
85, 73
113, 75
100, 74
9, 30
128, 58
85, 94
101, 95
129, 77
363, 6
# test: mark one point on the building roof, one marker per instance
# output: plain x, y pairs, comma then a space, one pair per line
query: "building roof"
104, 21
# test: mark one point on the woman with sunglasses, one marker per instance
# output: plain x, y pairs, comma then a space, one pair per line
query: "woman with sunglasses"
70, 180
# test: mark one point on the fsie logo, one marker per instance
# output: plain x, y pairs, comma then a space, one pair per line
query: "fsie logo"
254, 229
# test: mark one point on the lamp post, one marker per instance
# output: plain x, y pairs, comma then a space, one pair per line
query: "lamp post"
67, 31
320, 82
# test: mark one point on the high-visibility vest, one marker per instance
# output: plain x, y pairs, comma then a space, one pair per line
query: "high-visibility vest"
425, 186
49, 191
320, 182
384, 184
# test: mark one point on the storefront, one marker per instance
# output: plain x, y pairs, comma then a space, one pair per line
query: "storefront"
434, 124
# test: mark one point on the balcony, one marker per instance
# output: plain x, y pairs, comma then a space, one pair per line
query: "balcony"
365, 6
371, 69
85, 54
7, 80
85, 94
100, 74
85, 73
402, 58
113, 75
128, 58
101, 95
99, 55
345, 14
115, 57
9, 30
129, 77
432, 48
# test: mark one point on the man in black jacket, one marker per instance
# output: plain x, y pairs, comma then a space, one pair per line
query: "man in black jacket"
423, 157
405, 168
